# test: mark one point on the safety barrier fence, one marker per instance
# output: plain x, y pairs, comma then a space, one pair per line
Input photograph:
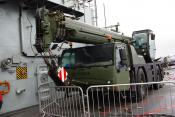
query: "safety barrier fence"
121, 100
61, 101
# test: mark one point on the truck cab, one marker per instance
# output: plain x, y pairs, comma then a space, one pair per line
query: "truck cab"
99, 65
144, 43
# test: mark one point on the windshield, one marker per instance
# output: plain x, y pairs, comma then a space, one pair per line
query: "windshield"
88, 55
140, 40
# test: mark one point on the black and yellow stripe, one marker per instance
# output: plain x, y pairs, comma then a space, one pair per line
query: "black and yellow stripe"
21, 72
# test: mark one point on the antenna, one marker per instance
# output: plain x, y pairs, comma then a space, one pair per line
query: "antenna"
95, 5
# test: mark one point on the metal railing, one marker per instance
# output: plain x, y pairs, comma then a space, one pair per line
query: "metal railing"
123, 100
157, 98
61, 101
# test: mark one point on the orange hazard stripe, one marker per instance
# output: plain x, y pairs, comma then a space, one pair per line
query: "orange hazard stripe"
21, 72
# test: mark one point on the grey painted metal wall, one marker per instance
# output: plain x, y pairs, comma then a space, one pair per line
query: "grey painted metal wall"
10, 47
17, 36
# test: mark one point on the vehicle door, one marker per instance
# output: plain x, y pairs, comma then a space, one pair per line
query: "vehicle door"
122, 64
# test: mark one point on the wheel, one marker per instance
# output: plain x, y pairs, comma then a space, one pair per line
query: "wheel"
141, 89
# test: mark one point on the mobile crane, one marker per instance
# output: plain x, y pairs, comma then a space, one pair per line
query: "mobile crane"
112, 59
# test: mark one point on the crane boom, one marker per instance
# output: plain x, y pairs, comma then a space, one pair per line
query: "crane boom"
85, 33
56, 27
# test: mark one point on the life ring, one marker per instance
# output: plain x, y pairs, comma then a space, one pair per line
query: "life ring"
5, 84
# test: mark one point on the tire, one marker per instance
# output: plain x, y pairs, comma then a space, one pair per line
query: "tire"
141, 89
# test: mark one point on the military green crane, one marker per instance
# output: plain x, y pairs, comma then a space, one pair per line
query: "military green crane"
111, 59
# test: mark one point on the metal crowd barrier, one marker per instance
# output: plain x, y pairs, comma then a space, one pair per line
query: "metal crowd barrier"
61, 101
109, 100
158, 99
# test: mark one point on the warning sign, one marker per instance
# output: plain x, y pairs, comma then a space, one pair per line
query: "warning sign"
62, 74
21, 72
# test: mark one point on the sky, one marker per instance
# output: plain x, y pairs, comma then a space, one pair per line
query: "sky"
157, 15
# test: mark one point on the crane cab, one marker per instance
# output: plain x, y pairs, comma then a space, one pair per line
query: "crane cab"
144, 43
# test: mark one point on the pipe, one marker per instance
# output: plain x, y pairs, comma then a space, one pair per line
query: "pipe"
21, 31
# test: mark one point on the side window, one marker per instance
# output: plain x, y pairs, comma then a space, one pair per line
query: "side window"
68, 59
152, 46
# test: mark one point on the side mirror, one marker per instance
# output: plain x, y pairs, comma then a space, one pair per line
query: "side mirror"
152, 36
123, 56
